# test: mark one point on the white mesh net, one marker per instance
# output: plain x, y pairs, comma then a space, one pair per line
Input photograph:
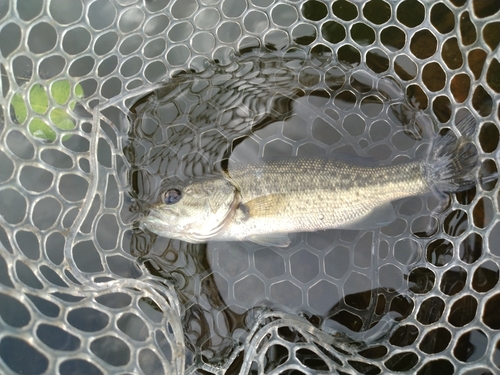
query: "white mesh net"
103, 101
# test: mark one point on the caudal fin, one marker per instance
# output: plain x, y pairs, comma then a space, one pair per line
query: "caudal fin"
452, 160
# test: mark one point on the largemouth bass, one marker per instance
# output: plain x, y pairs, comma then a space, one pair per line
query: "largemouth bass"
263, 202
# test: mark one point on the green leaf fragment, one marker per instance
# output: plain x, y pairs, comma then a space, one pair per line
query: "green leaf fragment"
40, 129
39, 100
62, 119
60, 92
79, 91
19, 108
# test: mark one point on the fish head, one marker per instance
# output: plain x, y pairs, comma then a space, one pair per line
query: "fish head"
195, 212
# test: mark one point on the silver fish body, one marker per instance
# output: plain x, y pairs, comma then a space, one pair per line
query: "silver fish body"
264, 202
306, 195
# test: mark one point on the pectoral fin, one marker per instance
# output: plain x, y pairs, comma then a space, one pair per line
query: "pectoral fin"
271, 239
266, 205
376, 218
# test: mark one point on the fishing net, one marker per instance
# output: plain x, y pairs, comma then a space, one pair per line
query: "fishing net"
104, 103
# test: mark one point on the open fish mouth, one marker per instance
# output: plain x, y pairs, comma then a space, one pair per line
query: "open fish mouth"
153, 219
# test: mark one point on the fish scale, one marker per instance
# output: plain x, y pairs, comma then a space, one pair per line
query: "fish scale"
318, 194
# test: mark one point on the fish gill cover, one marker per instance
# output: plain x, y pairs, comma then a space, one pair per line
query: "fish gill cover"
130, 94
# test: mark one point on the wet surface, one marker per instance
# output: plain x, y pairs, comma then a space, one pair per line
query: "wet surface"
270, 106
417, 296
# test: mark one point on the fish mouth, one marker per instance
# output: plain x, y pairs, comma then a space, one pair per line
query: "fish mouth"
150, 220
155, 221
194, 237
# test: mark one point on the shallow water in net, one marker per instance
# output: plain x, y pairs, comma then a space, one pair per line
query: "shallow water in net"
105, 101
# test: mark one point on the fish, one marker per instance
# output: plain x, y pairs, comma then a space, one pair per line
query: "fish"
266, 201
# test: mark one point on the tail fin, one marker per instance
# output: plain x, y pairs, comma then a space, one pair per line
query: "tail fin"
452, 161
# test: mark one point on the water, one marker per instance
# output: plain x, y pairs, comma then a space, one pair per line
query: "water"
418, 296
265, 105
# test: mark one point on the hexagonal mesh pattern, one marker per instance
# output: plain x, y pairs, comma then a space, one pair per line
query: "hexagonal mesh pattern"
104, 102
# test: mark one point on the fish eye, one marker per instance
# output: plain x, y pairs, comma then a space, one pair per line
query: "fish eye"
172, 196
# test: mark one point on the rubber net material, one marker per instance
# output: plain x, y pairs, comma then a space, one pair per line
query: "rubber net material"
102, 100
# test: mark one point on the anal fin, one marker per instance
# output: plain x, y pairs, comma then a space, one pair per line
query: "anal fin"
271, 239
